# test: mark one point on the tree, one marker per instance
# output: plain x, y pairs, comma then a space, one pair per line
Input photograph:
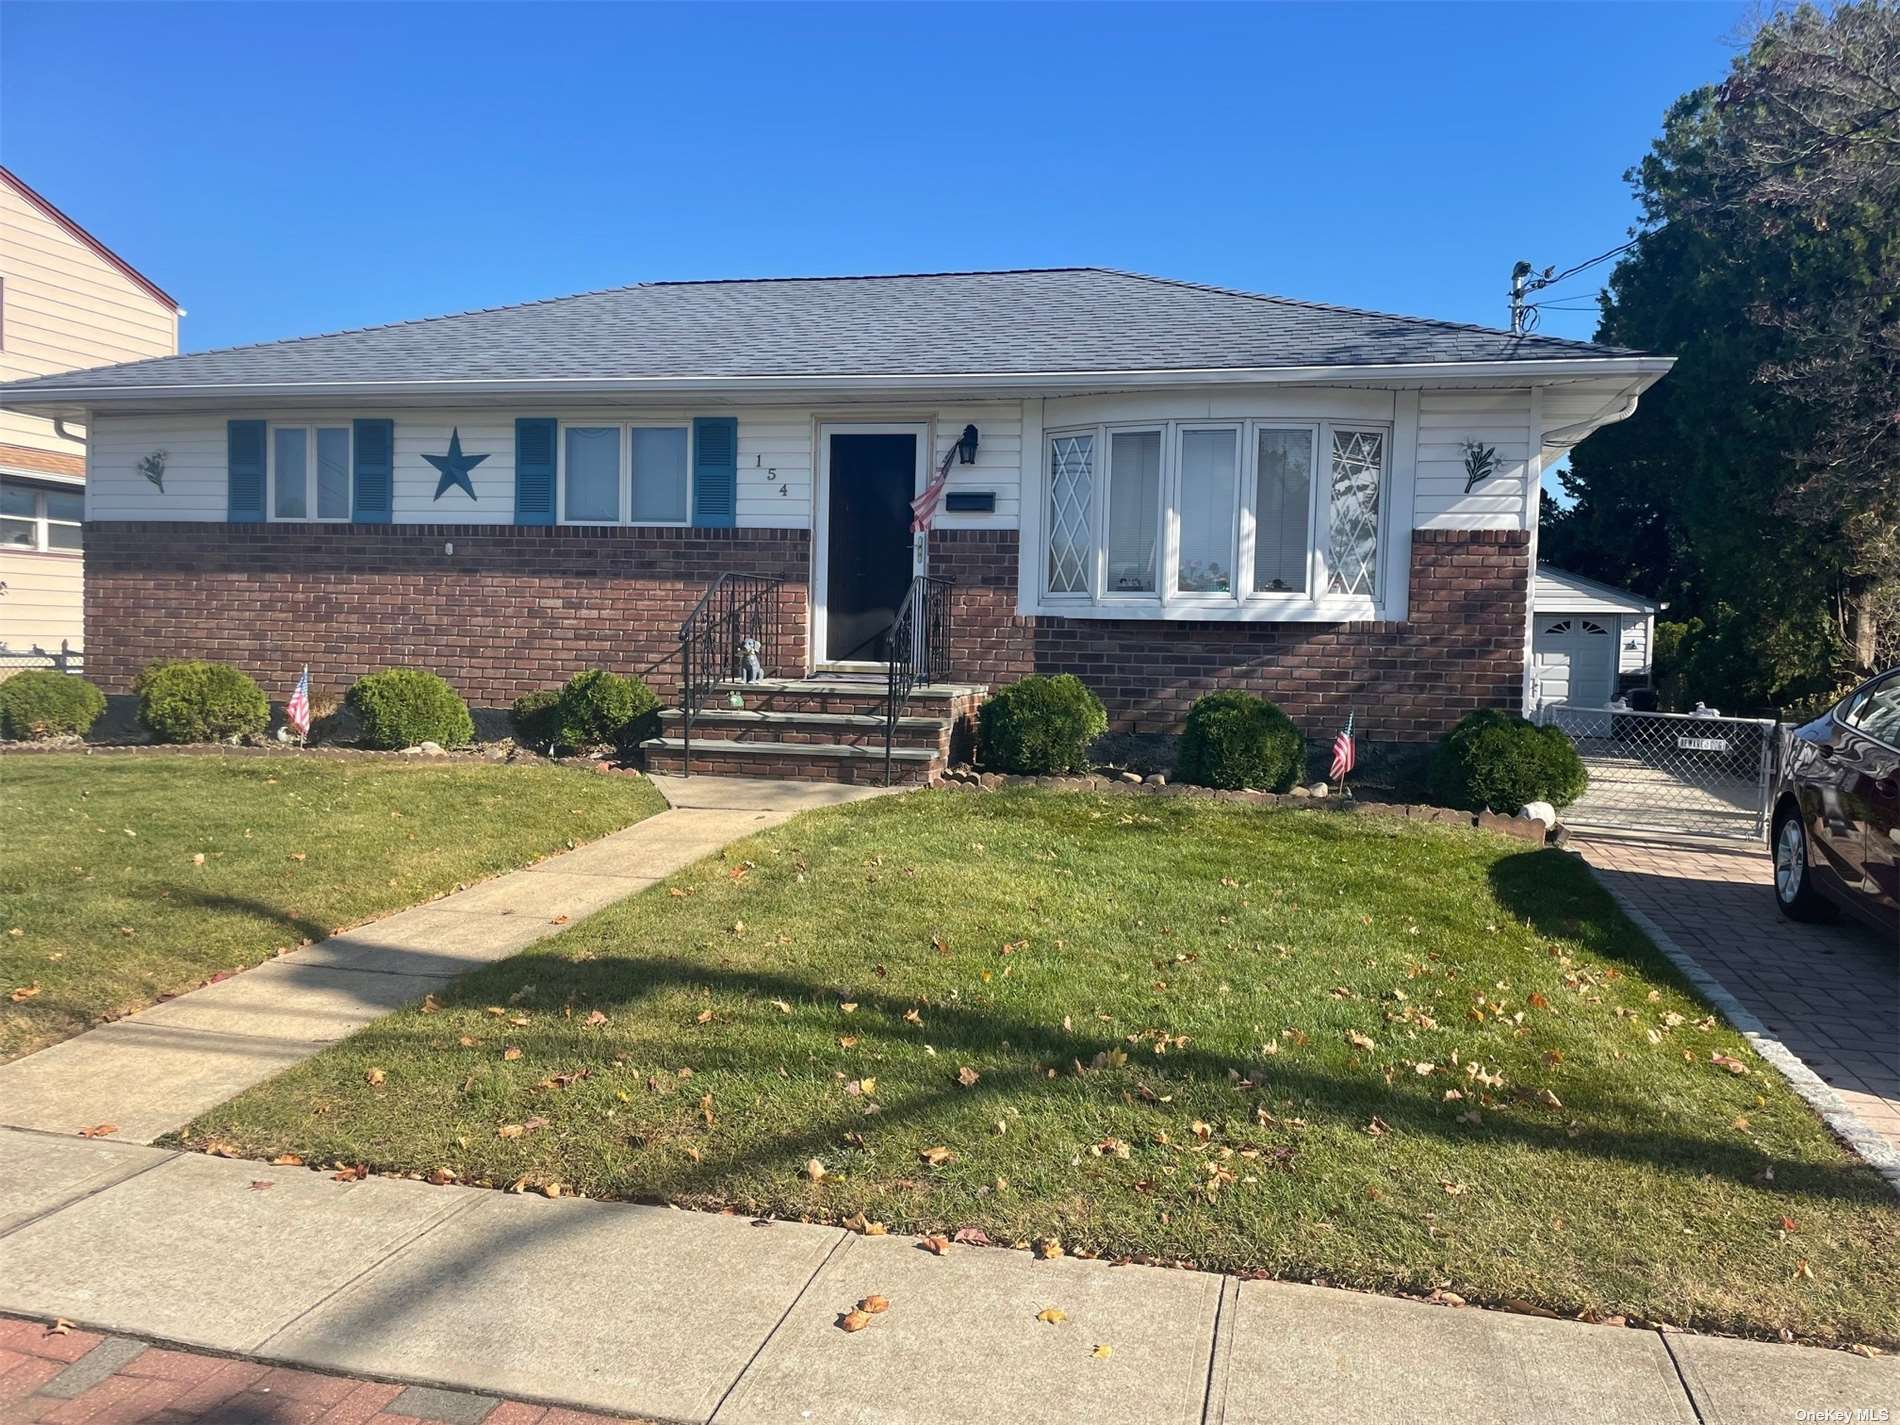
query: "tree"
1758, 486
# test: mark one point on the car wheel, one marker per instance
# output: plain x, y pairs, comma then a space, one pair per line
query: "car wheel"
1794, 883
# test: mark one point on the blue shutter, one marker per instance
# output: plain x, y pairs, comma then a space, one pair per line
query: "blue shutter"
374, 476
244, 471
716, 472
534, 470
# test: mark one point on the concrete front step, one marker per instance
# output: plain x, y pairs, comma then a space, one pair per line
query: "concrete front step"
848, 729
848, 697
799, 761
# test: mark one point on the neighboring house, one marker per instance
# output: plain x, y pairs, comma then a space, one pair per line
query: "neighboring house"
1173, 488
66, 302
1589, 641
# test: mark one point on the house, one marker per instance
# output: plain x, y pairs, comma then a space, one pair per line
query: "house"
66, 301
1160, 486
1590, 642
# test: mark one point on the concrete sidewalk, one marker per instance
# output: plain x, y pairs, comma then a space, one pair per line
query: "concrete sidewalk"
157, 1070
679, 1316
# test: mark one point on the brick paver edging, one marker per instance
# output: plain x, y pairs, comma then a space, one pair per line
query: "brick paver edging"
1878, 1153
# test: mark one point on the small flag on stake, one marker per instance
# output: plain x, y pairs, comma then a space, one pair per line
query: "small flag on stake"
297, 710
1343, 758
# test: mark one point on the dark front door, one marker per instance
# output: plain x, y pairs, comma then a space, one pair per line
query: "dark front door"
867, 559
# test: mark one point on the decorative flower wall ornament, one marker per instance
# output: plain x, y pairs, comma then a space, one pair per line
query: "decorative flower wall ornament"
152, 467
1481, 463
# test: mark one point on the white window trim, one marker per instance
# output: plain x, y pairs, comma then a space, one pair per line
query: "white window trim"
626, 519
43, 524
309, 429
1242, 604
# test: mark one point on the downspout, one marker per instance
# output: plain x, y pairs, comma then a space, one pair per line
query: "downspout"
59, 429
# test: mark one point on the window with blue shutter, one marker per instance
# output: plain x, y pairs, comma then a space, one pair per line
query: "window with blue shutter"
716, 472
374, 477
244, 471
534, 470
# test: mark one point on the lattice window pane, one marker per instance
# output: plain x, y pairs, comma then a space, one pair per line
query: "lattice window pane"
1071, 491
1353, 515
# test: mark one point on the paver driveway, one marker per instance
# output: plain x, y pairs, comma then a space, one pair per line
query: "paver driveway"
1831, 993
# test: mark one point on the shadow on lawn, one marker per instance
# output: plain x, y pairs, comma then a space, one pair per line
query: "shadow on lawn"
217, 902
619, 983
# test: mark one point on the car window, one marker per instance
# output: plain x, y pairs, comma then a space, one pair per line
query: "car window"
1876, 711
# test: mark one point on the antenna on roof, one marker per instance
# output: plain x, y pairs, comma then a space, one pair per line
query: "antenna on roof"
1523, 314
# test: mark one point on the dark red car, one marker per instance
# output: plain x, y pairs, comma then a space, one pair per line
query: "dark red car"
1835, 833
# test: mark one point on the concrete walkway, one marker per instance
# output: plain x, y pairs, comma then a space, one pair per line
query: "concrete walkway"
157, 1070
679, 1316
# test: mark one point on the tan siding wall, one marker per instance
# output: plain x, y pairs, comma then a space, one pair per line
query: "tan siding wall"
42, 600
66, 308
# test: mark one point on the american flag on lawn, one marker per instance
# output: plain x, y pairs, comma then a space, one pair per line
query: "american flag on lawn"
1343, 757
297, 710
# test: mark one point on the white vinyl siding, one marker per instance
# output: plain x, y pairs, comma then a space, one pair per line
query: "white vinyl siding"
1448, 419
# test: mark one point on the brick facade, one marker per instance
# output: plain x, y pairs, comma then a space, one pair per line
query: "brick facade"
1461, 648
514, 608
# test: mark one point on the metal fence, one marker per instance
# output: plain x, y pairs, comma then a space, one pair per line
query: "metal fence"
66, 660
1685, 773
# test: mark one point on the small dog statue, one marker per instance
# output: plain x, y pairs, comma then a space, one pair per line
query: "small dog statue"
749, 652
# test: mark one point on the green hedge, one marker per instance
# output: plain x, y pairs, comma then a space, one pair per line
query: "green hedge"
190, 700
1234, 739
596, 708
401, 707
532, 717
1040, 724
44, 703
1501, 761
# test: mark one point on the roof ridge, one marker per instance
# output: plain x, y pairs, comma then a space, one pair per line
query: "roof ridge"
575, 297
1439, 322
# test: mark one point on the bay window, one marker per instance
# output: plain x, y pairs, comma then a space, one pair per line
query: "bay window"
1238, 518
309, 476
624, 474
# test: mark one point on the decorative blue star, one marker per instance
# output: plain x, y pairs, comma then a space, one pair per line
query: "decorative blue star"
454, 466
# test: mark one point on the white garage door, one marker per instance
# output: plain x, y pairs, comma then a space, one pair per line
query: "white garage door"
1574, 661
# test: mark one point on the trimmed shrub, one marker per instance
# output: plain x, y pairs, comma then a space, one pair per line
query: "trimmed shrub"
400, 707
532, 717
1040, 724
1234, 739
190, 700
42, 702
596, 708
1501, 761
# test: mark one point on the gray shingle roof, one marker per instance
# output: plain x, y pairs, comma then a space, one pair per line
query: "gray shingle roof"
1081, 319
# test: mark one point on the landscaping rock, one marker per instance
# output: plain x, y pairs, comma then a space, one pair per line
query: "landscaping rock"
990, 781
1522, 828
1320, 789
1155, 779
1303, 793
1130, 776
1542, 812
430, 749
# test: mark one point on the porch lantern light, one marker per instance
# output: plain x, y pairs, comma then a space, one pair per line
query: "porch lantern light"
966, 446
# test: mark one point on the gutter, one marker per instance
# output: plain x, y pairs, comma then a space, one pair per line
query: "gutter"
1644, 369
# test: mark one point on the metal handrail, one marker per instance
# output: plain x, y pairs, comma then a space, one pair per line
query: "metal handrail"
918, 650
733, 608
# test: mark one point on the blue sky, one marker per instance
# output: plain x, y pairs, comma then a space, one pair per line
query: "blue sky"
285, 169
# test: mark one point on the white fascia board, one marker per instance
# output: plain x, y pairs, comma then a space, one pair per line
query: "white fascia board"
44, 399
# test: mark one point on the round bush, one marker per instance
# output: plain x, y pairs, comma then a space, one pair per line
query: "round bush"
1501, 761
194, 701
596, 708
532, 717
44, 703
1040, 724
401, 707
1234, 739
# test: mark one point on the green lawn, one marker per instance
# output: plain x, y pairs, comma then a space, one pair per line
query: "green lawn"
123, 878
1327, 1047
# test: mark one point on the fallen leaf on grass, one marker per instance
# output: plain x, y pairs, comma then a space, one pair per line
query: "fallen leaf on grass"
815, 1170
1360, 1041
1048, 1248
442, 1177
936, 1157
1054, 1315
557, 920
349, 1173
968, 1076
511, 1130
374, 1078
781, 1006
911, 1016
198, 859
25, 993
1729, 1062
596, 1017
511, 1053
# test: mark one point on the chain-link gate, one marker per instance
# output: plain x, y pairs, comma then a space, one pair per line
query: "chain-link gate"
1670, 772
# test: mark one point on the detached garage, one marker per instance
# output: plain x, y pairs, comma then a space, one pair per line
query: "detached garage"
1589, 641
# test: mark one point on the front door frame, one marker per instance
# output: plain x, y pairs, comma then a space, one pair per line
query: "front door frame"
821, 524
